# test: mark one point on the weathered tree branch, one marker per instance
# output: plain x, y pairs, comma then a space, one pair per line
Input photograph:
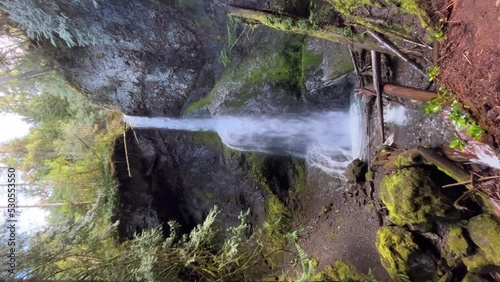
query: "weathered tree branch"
388, 45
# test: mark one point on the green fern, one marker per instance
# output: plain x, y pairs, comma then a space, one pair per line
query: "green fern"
307, 264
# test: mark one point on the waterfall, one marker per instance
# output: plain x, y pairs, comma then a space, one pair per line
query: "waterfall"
327, 140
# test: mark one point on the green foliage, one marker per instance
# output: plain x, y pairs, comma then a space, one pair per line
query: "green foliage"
438, 36
432, 72
461, 119
77, 252
308, 264
436, 104
46, 19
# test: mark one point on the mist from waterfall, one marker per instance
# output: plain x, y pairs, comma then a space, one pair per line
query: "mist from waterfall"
327, 140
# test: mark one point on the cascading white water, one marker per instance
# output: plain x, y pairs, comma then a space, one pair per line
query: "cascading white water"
327, 140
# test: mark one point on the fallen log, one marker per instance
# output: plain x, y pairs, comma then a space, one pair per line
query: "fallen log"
377, 82
397, 52
299, 25
450, 168
404, 92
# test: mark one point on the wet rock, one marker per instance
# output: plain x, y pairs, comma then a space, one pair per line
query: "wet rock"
356, 171
400, 255
411, 198
471, 277
456, 245
484, 231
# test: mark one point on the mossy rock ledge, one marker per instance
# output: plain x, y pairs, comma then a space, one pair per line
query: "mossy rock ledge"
411, 197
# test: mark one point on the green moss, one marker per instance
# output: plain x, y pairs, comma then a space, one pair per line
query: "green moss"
456, 245
211, 139
471, 277
205, 101
476, 262
341, 271
369, 175
276, 226
347, 7
343, 64
484, 231
278, 216
395, 246
456, 241
414, 7
310, 61
410, 198
299, 175
403, 160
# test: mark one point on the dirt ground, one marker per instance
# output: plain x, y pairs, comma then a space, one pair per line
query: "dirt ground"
470, 59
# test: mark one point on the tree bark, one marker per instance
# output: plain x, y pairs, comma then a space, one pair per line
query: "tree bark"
445, 165
404, 92
377, 82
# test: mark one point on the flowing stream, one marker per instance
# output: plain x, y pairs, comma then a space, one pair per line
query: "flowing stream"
327, 140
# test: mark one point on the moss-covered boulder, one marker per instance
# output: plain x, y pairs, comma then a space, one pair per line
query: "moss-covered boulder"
470, 277
341, 271
456, 245
400, 255
355, 171
484, 231
395, 246
410, 197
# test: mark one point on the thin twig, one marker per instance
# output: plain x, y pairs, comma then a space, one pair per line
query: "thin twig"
135, 135
416, 43
125, 147
88, 147
470, 181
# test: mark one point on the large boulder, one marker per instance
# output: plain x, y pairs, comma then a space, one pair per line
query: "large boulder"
484, 231
401, 256
411, 198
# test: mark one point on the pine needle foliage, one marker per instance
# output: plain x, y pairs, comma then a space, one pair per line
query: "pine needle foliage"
53, 19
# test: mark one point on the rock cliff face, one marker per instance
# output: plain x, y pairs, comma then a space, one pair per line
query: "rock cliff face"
163, 58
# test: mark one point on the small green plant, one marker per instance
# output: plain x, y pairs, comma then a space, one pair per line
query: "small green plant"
432, 72
460, 118
438, 36
346, 31
463, 121
456, 143
308, 264
436, 104
404, 278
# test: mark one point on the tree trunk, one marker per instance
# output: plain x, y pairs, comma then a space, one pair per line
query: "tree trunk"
304, 26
